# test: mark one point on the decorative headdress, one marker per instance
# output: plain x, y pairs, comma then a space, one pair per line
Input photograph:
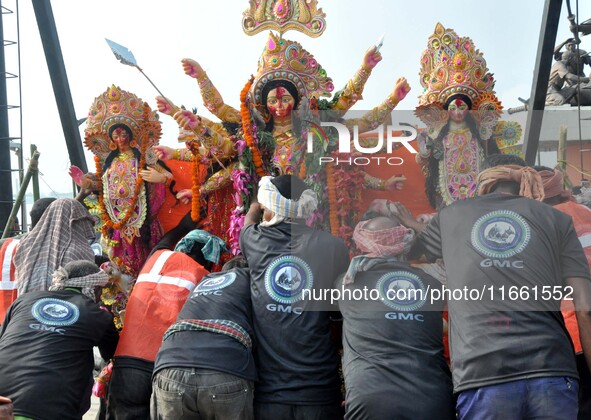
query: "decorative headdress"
288, 61
117, 106
450, 66
283, 15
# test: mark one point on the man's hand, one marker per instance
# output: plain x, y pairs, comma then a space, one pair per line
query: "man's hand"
379, 206
582, 299
6, 409
406, 218
254, 214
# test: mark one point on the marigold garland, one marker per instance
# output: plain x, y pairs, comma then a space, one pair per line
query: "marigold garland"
332, 199
199, 174
247, 130
107, 222
302, 173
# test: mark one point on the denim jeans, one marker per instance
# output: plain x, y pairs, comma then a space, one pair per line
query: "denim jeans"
273, 411
129, 394
189, 393
550, 398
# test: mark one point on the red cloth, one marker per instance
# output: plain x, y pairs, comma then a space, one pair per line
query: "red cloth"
163, 285
172, 211
412, 194
582, 222
8, 291
553, 184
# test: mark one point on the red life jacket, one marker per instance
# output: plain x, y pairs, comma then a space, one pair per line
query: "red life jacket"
582, 223
8, 291
162, 287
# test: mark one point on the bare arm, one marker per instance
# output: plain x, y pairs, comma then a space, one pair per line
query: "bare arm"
582, 300
254, 214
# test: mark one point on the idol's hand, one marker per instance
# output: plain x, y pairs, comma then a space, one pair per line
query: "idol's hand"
371, 58
165, 106
163, 152
185, 196
152, 175
187, 120
76, 174
395, 182
192, 68
401, 89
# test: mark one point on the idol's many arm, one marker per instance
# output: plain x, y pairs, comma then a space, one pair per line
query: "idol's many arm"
354, 88
212, 99
372, 119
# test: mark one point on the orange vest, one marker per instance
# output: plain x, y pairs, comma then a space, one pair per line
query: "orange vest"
8, 291
162, 287
582, 222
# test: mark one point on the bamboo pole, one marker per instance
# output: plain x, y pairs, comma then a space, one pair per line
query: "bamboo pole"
562, 145
33, 168
35, 179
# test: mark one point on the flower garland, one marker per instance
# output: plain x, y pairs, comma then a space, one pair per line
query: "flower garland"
247, 130
107, 222
332, 199
198, 179
200, 165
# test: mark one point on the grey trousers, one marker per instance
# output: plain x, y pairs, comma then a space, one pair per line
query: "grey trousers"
190, 393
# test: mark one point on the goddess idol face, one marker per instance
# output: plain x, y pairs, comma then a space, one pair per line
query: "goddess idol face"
280, 102
458, 109
121, 138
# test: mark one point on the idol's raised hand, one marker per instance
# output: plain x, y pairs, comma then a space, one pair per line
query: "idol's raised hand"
371, 58
401, 89
192, 68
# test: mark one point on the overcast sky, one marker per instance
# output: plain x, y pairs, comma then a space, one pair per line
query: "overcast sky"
161, 33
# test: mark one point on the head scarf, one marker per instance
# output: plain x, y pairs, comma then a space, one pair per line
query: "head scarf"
529, 180
553, 184
62, 279
212, 248
384, 242
61, 235
378, 246
284, 208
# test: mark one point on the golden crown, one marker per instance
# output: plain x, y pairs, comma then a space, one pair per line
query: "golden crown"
287, 60
452, 65
283, 15
117, 106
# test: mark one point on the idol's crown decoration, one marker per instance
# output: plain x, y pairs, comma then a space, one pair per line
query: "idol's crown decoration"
283, 15
288, 61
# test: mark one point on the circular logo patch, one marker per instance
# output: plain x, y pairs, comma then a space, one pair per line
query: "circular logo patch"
402, 290
51, 311
215, 283
286, 278
500, 234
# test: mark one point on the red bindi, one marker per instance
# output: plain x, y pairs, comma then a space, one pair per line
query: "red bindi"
280, 92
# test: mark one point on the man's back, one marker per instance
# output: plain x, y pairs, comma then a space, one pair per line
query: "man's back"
393, 349
296, 361
46, 354
506, 260
220, 298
